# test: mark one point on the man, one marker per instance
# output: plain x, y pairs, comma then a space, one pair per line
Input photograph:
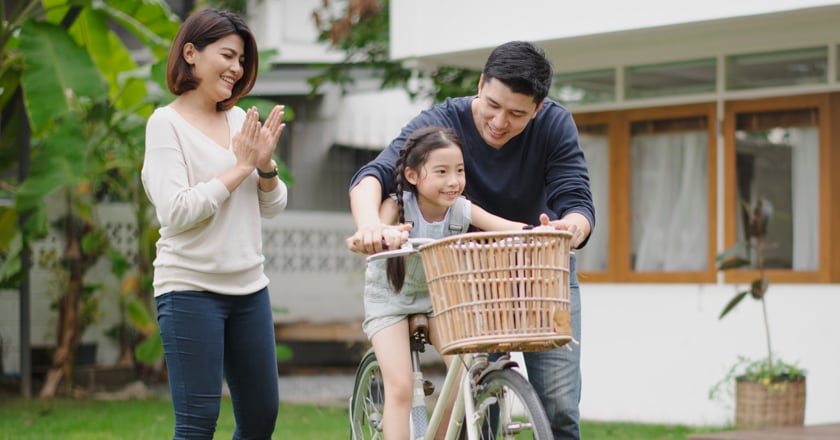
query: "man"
522, 158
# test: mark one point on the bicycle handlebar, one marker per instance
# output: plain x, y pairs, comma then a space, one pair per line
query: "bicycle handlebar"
409, 247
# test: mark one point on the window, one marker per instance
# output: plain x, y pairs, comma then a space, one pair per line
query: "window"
776, 159
774, 69
776, 150
339, 166
594, 140
669, 195
584, 87
654, 178
680, 78
654, 190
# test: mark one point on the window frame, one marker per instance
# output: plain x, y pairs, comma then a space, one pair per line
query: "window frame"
608, 119
823, 104
721, 188
619, 265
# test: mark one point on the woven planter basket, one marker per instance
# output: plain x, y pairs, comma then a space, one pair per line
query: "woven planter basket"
494, 292
758, 407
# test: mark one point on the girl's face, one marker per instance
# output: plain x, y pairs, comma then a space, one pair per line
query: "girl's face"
218, 67
440, 180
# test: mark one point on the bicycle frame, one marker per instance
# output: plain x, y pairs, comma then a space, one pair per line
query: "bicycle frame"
459, 408
463, 401
463, 376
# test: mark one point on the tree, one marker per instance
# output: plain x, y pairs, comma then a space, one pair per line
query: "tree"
361, 29
80, 90
86, 100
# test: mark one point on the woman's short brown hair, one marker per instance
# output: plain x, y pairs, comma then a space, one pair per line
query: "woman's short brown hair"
204, 28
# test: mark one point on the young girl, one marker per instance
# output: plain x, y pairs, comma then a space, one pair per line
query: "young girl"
429, 180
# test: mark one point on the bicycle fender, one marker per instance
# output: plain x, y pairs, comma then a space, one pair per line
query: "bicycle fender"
503, 363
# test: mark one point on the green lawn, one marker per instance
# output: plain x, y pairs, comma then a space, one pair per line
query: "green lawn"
152, 419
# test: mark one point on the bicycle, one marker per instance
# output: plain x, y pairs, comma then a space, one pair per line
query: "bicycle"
491, 292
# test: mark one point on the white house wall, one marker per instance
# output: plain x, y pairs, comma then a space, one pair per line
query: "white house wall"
426, 29
651, 352
603, 34
288, 26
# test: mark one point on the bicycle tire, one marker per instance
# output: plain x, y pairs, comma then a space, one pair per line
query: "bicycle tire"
367, 400
510, 386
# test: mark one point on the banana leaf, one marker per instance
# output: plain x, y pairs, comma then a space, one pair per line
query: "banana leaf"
57, 73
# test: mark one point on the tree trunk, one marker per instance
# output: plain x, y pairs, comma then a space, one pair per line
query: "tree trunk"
67, 341
69, 309
126, 357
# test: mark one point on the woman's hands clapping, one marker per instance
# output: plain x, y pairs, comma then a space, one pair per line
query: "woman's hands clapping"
245, 143
268, 136
254, 145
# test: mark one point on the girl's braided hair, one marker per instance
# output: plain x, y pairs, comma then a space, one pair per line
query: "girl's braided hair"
414, 154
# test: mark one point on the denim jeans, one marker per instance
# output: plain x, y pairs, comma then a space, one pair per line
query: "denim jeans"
206, 336
555, 375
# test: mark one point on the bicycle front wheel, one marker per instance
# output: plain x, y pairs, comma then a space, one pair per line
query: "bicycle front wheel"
367, 401
507, 407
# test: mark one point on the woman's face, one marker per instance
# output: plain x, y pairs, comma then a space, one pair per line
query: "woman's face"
218, 66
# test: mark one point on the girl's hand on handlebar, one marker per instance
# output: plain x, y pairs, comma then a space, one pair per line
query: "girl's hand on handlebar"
394, 237
376, 238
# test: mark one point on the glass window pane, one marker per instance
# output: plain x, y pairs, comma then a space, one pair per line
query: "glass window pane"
777, 158
594, 140
682, 78
584, 87
668, 195
774, 69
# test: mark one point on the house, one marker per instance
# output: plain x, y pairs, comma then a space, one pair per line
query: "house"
683, 109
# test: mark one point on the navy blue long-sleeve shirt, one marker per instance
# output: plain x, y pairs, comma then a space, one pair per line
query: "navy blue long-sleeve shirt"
540, 170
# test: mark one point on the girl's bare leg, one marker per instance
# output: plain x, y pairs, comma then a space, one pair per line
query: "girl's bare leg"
392, 352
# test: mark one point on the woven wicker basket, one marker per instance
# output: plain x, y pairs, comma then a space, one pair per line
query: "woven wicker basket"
494, 292
758, 407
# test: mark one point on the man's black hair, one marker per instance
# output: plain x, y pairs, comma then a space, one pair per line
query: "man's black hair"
522, 66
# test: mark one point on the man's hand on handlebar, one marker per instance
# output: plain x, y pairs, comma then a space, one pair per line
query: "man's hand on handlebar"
376, 238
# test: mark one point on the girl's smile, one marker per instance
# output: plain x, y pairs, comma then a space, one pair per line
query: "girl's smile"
439, 182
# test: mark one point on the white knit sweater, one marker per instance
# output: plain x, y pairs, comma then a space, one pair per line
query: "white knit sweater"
210, 239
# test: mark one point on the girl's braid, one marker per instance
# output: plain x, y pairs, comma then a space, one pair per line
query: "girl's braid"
399, 182
395, 267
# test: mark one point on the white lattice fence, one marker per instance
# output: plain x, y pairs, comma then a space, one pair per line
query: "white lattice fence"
314, 278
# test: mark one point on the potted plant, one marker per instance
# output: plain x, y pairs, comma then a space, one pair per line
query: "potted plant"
768, 391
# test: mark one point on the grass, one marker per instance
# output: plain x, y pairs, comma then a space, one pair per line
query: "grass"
152, 419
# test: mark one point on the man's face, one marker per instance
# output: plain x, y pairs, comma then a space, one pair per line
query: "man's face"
500, 114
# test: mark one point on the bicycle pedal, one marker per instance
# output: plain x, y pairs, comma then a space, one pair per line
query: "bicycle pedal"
428, 387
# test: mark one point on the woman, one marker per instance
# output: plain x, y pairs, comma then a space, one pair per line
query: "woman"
208, 171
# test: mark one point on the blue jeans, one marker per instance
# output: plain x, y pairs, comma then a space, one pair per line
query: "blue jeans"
206, 336
555, 375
